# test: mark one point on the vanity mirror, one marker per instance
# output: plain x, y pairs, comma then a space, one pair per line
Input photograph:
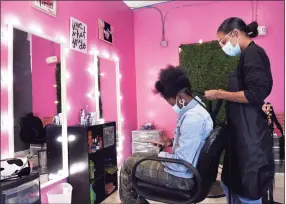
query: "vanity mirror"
36, 96
107, 89
107, 86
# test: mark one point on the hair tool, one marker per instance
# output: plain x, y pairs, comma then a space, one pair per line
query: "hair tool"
272, 120
19, 172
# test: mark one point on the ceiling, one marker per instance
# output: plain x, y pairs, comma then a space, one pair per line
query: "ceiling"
140, 4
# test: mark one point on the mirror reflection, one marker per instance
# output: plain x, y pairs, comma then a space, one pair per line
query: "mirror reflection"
37, 103
107, 88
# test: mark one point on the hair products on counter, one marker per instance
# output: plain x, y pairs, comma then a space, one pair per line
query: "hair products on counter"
94, 145
97, 143
89, 141
100, 143
91, 169
92, 194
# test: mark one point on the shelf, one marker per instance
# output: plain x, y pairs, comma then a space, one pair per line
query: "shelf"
95, 179
112, 170
97, 151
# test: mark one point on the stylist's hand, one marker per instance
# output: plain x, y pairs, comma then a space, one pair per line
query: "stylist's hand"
212, 94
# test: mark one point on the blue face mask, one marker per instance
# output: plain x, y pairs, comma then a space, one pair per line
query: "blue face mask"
176, 108
231, 50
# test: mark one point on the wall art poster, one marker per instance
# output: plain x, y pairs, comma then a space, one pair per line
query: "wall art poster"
47, 6
78, 35
105, 31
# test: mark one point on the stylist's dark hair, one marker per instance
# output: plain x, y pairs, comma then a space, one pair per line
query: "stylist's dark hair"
171, 81
232, 23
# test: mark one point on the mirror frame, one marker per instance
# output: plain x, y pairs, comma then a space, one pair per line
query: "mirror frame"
119, 121
63, 98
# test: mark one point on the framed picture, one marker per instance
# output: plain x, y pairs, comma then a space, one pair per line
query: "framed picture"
48, 6
105, 31
78, 35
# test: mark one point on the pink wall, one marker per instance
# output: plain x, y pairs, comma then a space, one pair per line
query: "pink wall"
189, 25
77, 63
44, 93
79, 84
107, 90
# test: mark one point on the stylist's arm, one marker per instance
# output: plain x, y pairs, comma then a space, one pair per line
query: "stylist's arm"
257, 83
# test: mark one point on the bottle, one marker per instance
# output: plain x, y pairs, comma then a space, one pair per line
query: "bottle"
100, 143
91, 169
92, 195
82, 117
88, 119
94, 145
56, 120
89, 134
97, 143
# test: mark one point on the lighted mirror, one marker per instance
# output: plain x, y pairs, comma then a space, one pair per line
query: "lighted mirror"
109, 98
107, 89
36, 99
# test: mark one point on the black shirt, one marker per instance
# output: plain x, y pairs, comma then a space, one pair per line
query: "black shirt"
254, 69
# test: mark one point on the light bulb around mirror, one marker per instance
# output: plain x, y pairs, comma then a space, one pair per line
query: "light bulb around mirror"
115, 57
13, 20
71, 138
105, 54
4, 78
59, 139
36, 29
62, 39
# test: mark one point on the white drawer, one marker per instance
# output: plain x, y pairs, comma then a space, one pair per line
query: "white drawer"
143, 135
144, 147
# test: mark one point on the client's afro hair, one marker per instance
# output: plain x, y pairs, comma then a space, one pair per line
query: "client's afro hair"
172, 80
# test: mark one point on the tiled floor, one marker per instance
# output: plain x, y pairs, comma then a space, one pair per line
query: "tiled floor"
278, 194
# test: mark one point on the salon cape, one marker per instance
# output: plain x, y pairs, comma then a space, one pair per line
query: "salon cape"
250, 170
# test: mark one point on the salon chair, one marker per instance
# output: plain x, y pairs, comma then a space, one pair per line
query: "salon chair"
204, 175
32, 130
33, 133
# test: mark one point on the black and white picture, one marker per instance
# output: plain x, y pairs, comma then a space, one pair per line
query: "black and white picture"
105, 31
108, 136
47, 6
78, 35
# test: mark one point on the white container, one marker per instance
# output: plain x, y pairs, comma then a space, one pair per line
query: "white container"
144, 135
61, 193
144, 147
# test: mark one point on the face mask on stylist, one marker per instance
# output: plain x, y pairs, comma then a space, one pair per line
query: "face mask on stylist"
229, 48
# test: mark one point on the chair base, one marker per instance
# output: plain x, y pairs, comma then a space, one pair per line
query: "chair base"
216, 191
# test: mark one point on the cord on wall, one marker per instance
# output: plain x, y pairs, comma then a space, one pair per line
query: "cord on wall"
164, 42
254, 6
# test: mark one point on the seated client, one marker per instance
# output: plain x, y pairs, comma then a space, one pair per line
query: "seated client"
194, 125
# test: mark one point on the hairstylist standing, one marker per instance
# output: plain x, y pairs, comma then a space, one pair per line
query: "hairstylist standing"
248, 169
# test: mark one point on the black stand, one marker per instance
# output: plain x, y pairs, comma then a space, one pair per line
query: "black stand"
216, 191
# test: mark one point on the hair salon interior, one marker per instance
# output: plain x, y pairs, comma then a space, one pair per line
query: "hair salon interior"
77, 93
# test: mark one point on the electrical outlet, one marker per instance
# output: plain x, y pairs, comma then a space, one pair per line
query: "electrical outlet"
164, 43
261, 30
52, 59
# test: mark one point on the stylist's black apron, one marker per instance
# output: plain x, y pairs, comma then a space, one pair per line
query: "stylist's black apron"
250, 170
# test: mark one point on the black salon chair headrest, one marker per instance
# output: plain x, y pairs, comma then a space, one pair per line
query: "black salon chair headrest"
32, 130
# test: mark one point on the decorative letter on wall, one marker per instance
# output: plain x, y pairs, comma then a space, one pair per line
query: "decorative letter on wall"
48, 6
78, 35
105, 31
